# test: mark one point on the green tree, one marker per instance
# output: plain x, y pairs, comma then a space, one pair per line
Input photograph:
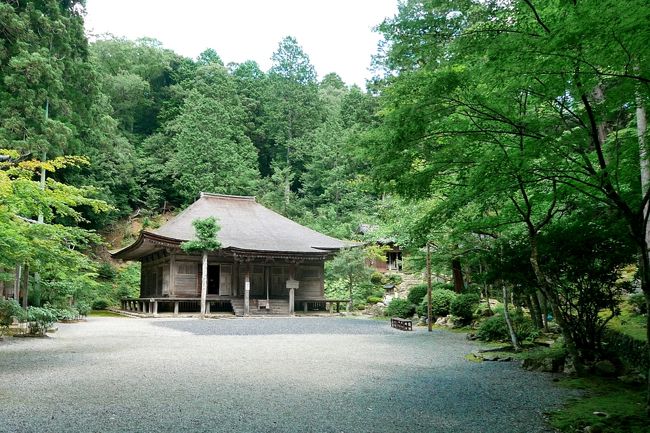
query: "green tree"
206, 230
211, 150
536, 96
350, 265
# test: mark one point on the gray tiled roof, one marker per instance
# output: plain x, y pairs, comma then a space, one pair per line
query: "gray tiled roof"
246, 224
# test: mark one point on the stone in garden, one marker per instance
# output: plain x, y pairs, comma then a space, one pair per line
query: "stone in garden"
605, 368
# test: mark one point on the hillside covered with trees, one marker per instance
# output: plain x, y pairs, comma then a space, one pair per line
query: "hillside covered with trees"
507, 136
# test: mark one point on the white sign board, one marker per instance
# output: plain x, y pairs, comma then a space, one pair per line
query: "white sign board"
292, 284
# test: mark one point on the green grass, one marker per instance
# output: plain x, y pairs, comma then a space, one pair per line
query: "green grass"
104, 313
623, 404
630, 324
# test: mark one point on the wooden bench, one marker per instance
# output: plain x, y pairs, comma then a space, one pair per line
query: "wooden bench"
403, 324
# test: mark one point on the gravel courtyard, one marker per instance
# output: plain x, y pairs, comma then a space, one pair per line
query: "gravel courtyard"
262, 375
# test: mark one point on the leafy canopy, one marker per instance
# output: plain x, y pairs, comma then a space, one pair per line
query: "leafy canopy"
206, 233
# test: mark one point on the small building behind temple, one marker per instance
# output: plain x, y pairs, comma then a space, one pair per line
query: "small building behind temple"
266, 264
392, 251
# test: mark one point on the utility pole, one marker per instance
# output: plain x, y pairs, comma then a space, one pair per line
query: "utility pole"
429, 318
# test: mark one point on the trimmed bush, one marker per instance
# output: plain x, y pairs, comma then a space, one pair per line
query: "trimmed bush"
417, 293
377, 278
463, 307
394, 278
100, 304
374, 299
400, 308
496, 329
633, 352
440, 303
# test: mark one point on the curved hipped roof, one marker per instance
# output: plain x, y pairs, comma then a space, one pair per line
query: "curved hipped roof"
247, 228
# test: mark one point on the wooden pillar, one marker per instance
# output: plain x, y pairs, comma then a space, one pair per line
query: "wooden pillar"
171, 288
207, 308
155, 308
204, 281
305, 306
291, 300
331, 307
247, 291
176, 308
235, 279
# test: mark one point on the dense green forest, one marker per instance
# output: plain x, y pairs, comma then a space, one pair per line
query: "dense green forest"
508, 136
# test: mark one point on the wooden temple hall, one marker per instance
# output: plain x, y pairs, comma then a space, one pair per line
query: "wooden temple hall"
267, 264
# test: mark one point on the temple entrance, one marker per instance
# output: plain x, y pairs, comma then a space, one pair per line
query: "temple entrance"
213, 279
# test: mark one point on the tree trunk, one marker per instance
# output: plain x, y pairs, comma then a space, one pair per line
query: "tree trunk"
535, 310
458, 275
17, 278
543, 307
547, 291
204, 282
25, 285
429, 311
642, 129
506, 314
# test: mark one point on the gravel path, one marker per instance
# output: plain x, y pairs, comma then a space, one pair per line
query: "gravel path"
262, 375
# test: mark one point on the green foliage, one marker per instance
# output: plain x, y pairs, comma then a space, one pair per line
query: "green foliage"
374, 299
441, 300
83, 308
632, 351
206, 230
349, 265
377, 278
9, 310
100, 304
400, 308
106, 271
40, 319
638, 302
463, 307
495, 328
66, 314
417, 293
394, 278
624, 405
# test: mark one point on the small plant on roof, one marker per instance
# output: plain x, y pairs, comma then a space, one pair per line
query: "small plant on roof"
206, 230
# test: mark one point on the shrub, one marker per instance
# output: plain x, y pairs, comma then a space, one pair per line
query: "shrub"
440, 303
463, 307
400, 308
100, 304
375, 299
83, 308
106, 271
9, 310
377, 278
394, 278
637, 300
67, 313
40, 319
417, 293
496, 329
